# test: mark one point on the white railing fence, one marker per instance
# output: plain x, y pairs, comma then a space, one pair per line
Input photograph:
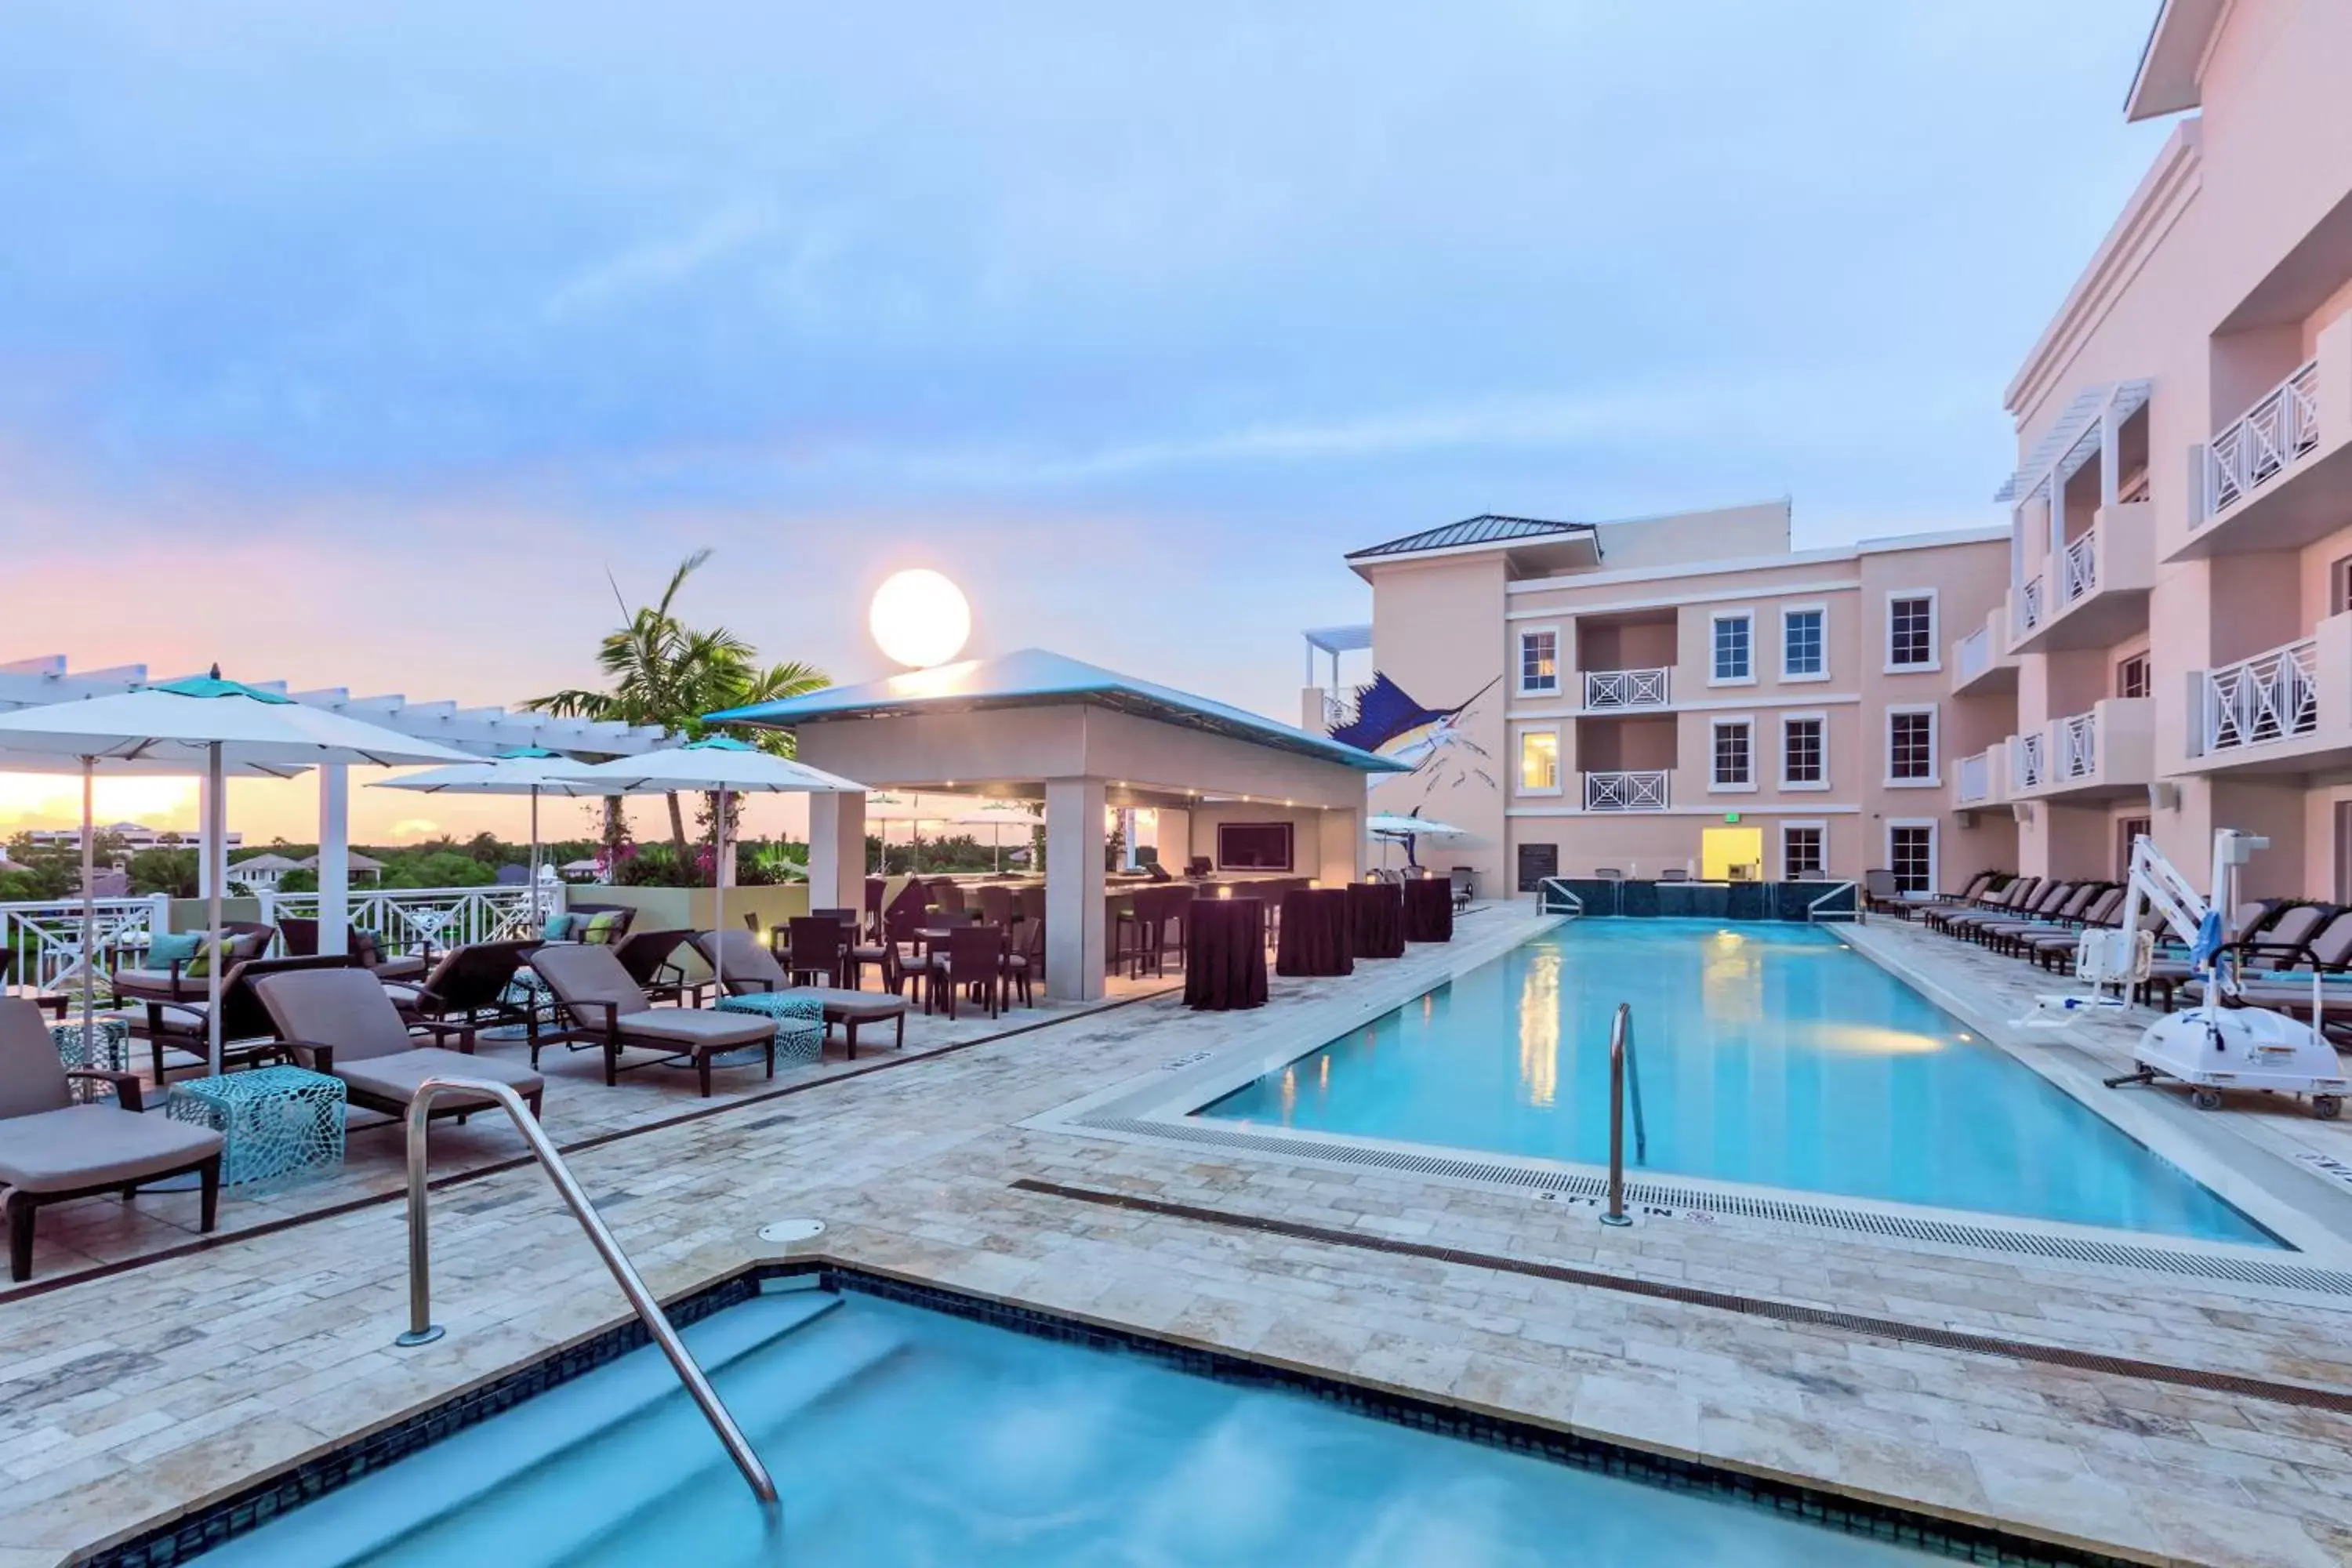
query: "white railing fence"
1641, 790
2078, 746
1335, 713
46, 937
2269, 697
2082, 575
1608, 689
2265, 441
2030, 757
1975, 654
2029, 606
1975, 785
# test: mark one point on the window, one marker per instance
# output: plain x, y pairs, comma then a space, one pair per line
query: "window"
1734, 759
1734, 649
1540, 762
1254, 845
2339, 587
1911, 631
2131, 677
1802, 655
1802, 764
1540, 661
1911, 745
1802, 850
1911, 855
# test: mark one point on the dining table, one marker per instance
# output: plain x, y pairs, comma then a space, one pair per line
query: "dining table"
1315, 934
1224, 958
1429, 909
1376, 920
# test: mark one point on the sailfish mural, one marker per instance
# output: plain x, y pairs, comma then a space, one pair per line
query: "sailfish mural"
1428, 740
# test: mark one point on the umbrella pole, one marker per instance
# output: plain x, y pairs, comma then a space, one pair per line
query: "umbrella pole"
216, 850
718, 892
89, 900
537, 923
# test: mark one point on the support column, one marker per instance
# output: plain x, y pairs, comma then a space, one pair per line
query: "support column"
837, 852
334, 858
1341, 847
1173, 838
1075, 946
2111, 440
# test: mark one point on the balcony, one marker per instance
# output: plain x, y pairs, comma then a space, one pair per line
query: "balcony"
2106, 753
2095, 594
1983, 778
2280, 475
1982, 665
1640, 790
1626, 690
2288, 709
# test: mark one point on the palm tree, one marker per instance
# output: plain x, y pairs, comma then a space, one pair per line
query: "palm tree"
665, 674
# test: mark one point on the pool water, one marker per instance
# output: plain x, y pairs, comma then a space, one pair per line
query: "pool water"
898, 1436
1768, 1053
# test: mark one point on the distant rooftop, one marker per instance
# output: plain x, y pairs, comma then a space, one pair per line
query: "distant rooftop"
1487, 528
1033, 677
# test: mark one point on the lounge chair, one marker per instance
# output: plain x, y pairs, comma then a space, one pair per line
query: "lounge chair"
248, 1037
2008, 895
470, 984
647, 955
609, 1011
2005, 936
753, 974
174, 982
1881, 893
2044, 904
302, 939
52, 1148
341, 1022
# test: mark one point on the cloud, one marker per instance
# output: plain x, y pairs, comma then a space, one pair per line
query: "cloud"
663, 262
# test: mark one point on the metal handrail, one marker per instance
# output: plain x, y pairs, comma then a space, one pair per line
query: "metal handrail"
422, 1330
1623, 1070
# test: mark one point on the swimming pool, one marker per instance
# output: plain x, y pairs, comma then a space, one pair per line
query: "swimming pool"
900, 1435
1768, 1054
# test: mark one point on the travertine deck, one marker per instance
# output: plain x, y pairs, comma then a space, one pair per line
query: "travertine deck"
127, 1399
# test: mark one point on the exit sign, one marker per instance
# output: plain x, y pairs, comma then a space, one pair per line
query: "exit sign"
1730, 817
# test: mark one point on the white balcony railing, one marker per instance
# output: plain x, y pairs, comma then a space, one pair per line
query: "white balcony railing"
48, 935
2080, 576
2264, 442
1607, 690
1643, 790
2030, 758
2271, 696
1975, 785
2078, 746
1975, 654
2028, 606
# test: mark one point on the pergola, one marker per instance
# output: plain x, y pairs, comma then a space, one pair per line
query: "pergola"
1035, 725
31, 682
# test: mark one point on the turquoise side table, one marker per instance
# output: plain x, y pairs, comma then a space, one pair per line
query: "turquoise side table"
105, 1047
800, 1025
283, 1125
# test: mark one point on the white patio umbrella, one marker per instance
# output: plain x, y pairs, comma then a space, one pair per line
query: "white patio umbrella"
1389, 827
996, 816
888, 808
728, 766
533, 771
206, 725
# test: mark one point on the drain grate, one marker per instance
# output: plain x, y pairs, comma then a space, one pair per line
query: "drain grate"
2181, 1264
2294, 1393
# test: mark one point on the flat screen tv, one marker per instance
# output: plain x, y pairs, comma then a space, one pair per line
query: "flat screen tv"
1253, 846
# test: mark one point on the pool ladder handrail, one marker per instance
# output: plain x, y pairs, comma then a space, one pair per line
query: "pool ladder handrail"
422, 1330
1624, 1071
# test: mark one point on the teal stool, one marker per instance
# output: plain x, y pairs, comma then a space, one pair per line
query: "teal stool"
283, 1125
799, 1020
105, 1046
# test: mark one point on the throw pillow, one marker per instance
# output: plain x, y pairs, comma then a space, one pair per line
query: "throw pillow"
601, 928
558, 928
165, 949
208, 952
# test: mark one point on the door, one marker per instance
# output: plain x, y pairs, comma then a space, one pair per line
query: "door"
2344, 851
1728, 852
2127, 829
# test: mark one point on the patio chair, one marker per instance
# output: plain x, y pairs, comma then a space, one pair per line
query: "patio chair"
248, 1037
1466, 886
947, 896
175, 981
470, 984
339, 1022
1609, 873
871, 906
973, 963
995, 905
1024, 957
815, 954
753, 974
1881, 893
52, 1150
608, 1011
647, 955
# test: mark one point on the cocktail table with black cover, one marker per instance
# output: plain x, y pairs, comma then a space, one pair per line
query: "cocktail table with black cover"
1224, 963
1376, 920
1429, 909
1315, 938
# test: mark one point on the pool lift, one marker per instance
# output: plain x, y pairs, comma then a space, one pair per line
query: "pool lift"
2224, 1042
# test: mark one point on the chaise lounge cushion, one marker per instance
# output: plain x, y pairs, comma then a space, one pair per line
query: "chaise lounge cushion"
696, 1031
96, 1146
395, 1077
840, 1005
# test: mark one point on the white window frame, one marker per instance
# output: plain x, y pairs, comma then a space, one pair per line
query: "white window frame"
1935, 779
1559, 663
1817, 825
1935, 661
1716, 619
1819, 609
1519, 762
1819, 716
2340, 585
1935, 846
1720, 721
2145, 658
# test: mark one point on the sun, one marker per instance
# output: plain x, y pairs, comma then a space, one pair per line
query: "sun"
919, 618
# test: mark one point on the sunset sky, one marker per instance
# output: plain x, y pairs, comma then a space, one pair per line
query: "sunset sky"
355, 347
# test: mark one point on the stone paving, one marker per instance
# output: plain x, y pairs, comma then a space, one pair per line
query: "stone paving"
127, 1400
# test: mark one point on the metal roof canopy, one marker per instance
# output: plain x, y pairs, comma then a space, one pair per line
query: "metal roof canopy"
32, 682
2067, 444
1487, 528
1033, 677
1339, 640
